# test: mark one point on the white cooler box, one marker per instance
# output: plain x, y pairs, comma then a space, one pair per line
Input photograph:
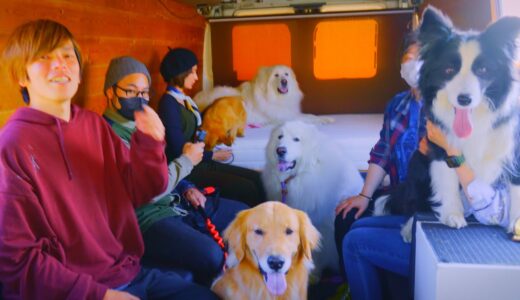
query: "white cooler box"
477, 262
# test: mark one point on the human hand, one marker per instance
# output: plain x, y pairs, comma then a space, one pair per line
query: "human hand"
359, 202
195, 197
148, 122
222, 155
118, 295
193, 152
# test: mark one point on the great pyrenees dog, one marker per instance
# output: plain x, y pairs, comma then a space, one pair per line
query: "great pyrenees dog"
272, 97
308, 171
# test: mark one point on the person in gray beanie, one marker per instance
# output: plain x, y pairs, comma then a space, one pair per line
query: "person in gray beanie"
127, 100
182, 119
170, 216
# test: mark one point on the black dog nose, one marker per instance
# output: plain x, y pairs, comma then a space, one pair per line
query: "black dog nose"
281, 151
275, 262
464, 99
284, 82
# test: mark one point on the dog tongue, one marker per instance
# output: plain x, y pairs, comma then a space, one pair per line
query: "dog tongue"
461, 124
276, 283
283, 165
283, 89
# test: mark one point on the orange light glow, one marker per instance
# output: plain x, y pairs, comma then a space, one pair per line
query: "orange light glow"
345, 49
259, 45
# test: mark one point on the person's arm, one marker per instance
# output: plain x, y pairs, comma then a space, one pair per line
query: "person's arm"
170, 114
27, 259
375, 175
488, 203
143, 167
464, 172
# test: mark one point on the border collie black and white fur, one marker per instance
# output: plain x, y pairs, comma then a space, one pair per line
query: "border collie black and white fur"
471, 91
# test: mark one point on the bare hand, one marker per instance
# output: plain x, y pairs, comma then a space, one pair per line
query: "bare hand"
222, 155
118, 295
195, 197
148, 122
359, 202
193, 152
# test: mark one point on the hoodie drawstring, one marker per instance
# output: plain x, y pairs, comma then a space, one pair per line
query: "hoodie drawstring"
62, 148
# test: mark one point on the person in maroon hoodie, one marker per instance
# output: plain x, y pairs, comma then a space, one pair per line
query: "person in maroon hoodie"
69, 186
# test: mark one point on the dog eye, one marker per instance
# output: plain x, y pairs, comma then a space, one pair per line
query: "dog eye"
276, 75
481, 71
296, 139
449, 71
280, 136
286, 74
288, 231
259, 231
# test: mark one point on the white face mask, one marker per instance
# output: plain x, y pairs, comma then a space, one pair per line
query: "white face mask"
410, 72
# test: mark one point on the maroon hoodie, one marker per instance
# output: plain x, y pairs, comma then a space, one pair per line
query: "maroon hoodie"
67, 196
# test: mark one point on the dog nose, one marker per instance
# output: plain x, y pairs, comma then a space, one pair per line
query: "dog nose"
281, 151
464, 99
284, 82
275, 262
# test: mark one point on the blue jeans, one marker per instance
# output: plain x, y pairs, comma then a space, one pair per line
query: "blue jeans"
153, 284
374, 243
185, 243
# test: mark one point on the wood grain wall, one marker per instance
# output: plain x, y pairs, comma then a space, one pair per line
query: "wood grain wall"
105, 29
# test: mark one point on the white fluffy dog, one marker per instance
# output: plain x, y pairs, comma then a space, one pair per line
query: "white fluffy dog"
316, 175
273, 96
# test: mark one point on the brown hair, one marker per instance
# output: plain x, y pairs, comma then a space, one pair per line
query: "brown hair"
178, 80
31, 40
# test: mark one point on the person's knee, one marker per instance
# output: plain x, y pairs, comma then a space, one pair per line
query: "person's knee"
213, 258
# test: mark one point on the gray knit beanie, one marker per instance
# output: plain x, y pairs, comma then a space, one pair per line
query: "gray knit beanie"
120, 67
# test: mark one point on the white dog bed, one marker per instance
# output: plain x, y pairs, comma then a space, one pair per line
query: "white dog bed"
356, 133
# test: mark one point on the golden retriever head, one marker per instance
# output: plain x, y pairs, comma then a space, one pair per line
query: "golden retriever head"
224, 120
272, 237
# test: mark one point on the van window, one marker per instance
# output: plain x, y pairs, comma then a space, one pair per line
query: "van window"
345, 49
510, 8
256, 45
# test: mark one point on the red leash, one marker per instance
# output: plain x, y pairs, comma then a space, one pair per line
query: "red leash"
210, 226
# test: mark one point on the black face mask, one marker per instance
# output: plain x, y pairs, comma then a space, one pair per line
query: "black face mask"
130, 105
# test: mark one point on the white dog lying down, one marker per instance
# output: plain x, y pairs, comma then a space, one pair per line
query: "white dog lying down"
317, 176
273, 96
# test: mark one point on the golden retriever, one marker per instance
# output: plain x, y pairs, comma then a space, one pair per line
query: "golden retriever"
224, 120
270, 254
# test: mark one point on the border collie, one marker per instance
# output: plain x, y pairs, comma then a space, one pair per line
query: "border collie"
470, 89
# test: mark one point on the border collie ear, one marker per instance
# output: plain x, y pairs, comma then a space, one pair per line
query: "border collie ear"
235, 235
434, 26
503, 34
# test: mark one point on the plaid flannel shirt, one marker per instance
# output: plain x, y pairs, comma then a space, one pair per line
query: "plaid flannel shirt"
396, 120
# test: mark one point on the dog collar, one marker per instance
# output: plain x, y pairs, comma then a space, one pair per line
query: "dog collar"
284, 189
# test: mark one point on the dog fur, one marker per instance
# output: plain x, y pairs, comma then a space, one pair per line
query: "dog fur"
272, 97
470, 90
270, 234
323, 176
223, 121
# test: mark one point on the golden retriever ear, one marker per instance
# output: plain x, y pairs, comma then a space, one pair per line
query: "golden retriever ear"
235, 234
309, 235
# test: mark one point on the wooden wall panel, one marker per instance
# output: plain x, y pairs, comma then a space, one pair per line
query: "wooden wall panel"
106, 29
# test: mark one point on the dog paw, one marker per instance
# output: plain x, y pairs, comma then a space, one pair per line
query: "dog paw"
455, 220
406, 231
